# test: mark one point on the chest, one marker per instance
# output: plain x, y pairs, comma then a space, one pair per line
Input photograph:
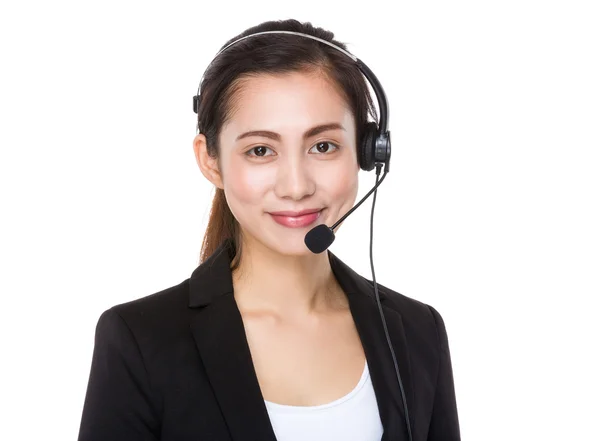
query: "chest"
305, 363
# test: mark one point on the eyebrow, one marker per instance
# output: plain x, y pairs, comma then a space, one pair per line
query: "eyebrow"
313, 131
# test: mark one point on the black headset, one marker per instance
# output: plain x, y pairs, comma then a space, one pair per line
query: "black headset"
375, 146
374, 150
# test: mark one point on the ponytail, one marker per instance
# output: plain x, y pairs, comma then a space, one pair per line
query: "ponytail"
222, 225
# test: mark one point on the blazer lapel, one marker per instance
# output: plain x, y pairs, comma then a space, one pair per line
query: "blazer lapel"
367, 318
219, 333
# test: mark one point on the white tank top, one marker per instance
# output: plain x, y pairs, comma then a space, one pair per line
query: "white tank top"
353, 417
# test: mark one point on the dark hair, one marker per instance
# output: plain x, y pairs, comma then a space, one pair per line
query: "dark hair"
273, 54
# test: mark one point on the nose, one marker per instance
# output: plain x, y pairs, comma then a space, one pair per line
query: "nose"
294, 179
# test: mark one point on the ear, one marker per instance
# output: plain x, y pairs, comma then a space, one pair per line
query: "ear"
209, 166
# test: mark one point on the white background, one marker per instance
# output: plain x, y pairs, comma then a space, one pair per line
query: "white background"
490, 212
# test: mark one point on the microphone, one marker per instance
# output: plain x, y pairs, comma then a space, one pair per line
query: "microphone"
321, 237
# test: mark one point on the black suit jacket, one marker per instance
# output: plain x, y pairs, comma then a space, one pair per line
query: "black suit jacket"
176, 365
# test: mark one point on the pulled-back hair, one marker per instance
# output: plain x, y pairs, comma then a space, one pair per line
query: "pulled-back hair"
269, 54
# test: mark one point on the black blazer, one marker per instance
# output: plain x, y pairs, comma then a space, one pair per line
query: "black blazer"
176, 365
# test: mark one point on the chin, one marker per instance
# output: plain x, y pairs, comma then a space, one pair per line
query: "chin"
284, 242
291, 244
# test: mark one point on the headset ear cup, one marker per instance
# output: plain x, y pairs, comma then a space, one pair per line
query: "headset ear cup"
366, 148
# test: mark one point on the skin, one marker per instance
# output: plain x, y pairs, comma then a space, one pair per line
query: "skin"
301, 334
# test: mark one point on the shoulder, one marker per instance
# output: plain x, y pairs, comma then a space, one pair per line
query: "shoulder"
151, 320
165, 301
420, 319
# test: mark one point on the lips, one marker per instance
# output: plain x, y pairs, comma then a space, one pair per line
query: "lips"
296, 219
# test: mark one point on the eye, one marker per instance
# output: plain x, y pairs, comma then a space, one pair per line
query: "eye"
323, 147
259, 151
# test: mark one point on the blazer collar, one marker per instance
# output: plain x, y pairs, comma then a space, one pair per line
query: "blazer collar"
218, 324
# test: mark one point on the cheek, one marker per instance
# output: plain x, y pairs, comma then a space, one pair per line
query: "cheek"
246, 183
341, 184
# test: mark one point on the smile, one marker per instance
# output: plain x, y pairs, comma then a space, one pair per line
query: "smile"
296, 220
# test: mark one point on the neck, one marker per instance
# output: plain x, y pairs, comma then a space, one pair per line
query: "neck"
285, 285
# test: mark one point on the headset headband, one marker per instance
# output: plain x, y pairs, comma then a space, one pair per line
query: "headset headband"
368, 73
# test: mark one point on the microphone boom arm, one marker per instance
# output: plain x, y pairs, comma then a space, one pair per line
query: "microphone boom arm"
363, 199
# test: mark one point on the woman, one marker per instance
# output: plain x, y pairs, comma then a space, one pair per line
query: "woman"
268, 340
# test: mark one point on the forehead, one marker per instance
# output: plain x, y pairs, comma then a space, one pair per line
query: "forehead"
287, 101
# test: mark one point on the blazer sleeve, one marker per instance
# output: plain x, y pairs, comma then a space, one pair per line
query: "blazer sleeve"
444, 423
118, 403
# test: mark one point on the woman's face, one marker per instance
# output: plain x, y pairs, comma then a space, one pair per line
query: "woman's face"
289, 147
